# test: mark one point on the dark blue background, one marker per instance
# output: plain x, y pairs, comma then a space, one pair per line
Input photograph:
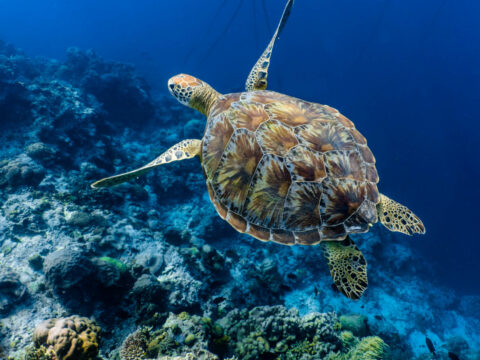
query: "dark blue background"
406, 72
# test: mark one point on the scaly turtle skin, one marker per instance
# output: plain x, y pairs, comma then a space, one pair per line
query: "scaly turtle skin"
286, 170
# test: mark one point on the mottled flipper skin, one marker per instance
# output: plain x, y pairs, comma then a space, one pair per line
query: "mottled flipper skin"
347, 266
185, 149
257, 79
396, 217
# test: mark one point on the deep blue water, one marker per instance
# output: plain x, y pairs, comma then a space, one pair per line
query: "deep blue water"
406, 72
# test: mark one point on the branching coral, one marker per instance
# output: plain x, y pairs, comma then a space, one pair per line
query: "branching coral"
368, 348
135, 346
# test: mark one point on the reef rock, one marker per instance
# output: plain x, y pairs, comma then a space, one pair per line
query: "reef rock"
21, 171
12, 292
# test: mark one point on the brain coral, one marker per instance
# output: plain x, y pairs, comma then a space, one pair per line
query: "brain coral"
71, 338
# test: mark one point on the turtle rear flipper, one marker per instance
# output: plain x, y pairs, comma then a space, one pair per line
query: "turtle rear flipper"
257, 79
185, 149
396, 217
347, 266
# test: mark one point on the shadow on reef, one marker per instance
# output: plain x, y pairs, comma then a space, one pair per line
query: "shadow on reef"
152, 263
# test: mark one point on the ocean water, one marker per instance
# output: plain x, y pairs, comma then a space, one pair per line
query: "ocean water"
405, 72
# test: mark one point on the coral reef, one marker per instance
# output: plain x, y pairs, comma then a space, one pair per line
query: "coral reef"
154, 255
267, 332
71, 338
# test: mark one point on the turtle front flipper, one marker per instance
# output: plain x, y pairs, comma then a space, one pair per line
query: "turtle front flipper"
347, 266
396, 217
257, 79
185, 149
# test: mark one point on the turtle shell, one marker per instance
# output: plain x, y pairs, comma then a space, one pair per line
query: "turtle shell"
287, 170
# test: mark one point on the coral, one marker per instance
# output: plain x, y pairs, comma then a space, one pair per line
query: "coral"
135, 346
42, 153
149, 297
183, 289
348, 340
197, 355
21, 171
124, 95
68, 272
179, 334
81, 281
368, 348
356, 323
78, 218
71, 338
265, 331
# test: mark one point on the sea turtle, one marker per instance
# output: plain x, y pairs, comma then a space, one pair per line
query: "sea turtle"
286, 170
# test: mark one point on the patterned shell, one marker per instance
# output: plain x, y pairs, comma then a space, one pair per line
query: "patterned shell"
287, 170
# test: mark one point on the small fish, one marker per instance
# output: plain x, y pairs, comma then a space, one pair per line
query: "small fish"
452, 356
430, 346
378, 317
218, 300
315, 291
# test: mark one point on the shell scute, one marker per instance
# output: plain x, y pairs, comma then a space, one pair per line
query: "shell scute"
366, 154
372, 192
291, 113
301, 210
305, 164
223, 104
359, 138
283, 237
217, 135
286, 170
263, 97
258, 232
326, 137
221, 210
371, 173
232, 179
311, 237
268, 190
340, 199
345, 164
237, 222
336, 232
275, 138
247, 115
345, 121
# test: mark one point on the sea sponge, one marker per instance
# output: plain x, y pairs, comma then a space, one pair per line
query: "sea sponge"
71, 338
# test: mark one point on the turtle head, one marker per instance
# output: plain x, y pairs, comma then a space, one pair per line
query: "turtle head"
193, 92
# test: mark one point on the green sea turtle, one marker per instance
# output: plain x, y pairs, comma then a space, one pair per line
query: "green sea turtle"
286, 170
